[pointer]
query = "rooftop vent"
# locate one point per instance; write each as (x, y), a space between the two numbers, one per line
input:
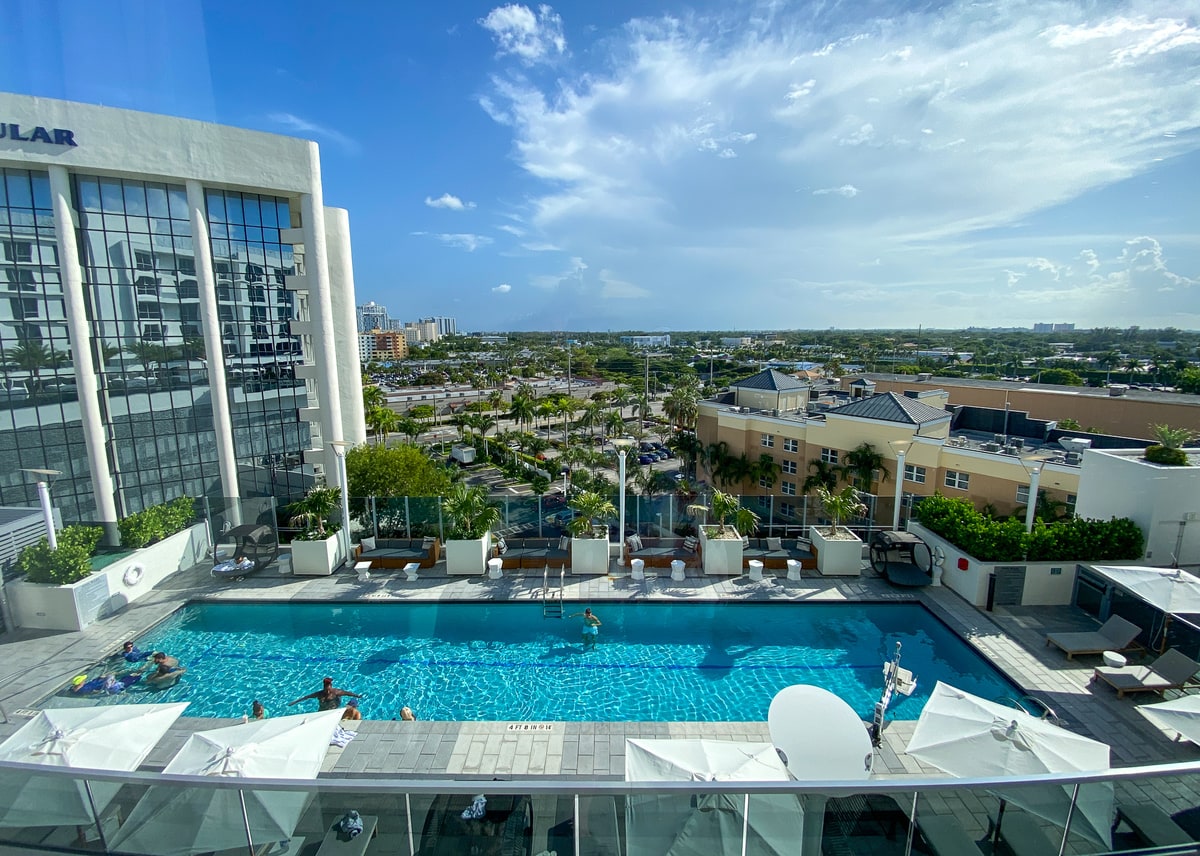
(1074, 458)
(1117, 389)
(1075, 445)
(991, 447)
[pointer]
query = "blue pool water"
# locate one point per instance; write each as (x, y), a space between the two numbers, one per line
(475, 661)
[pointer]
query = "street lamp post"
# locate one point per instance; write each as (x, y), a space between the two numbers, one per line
(622, 445)
(339, 449)
(43, 489)
(900, 447)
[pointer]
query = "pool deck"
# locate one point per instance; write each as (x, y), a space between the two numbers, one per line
(37, 663)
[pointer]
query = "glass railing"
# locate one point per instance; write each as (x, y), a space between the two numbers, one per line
(1121, 811)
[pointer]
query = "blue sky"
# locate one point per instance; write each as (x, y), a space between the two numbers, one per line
(667, 166)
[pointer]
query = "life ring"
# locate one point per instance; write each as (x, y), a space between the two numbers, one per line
(133, 575)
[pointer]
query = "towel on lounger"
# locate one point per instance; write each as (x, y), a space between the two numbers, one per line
(341, 737)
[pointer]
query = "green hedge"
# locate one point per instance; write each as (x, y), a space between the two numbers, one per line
(157, 522)
(70, 563)
(991, 540)
(1165, 456)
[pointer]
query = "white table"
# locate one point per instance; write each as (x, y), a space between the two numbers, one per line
(677, 570)
(637, 569)
(793, 570)
(495, 569)
(363, 569)
(756, 569)
(1114, 659)
(410, 571)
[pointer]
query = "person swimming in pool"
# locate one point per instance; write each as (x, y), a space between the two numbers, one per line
(130, 653)
(591, 626)
(328, 696)
(167, 671)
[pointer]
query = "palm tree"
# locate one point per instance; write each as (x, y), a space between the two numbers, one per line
(614, 424)
(409, 427)
(1172, 438)
(687, 446)
(312, 512)
(765, 469)
(681, 406)
(521, 409)
(824, 475)
(592, 416)
(32, 356)
(725, 506)
(714, 458)
(590, 507)
(468, 511)
(382, 421)
(496, 400)
(861, 464)
(840, 506)
(373, 396)
(621, 397)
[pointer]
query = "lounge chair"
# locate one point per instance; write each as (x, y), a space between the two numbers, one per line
(945, 836)
(1152, 825)
(1116, 634)
(1169, 672)
(1024, 836)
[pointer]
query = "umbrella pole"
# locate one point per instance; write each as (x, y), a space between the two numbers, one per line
(1070, 813)
(87, 787)
(999, 820)
(246, 822)
(746, 822)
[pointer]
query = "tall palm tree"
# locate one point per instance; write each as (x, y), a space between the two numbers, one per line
(714, 457)
(824, 475)
(521, 410)
(687, 446)
(860, 465)
(33, 356)
(592, 416)
(765, 469)
(614, 424)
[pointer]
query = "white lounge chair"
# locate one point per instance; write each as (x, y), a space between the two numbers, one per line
(1169, 672)
(1116, 634)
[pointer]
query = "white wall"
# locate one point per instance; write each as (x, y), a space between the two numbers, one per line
(127, 142)
(345, 324)
(1157, 498)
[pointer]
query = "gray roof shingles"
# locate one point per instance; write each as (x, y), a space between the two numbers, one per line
(889, 407)
(772, 380)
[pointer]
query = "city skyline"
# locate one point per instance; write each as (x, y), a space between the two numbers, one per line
(660, 167)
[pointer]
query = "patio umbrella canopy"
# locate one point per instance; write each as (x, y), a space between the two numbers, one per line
(1181, 714)
(968, 736)
(93, 738)
(671, 824)
(179, 821)
(1173, 591)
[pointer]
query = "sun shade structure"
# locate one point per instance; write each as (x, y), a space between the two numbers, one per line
(671, 824)
(180, 821)
(1173, 591)
(1181, 714)
(968, 736)
(92, 738)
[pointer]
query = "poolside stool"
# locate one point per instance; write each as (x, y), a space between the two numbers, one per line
(756, 567)
(495, 569)
(410, 571)
(677, 570)
(793, 570)
(363, 569)
(637, 569)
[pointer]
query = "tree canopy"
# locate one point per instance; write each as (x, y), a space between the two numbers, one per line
(399, 470)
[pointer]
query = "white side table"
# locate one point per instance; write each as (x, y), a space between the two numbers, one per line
(756, 569)
(410, 571)
(1114, 659)
(637, 569)
(793, 570)
(677, 570)
(495, 569)
(363, 569)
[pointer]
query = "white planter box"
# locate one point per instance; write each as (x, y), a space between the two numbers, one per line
(840, 557)
(589, 555)
(317, 558)
(468, 556)
(721, 556)
(40, 606)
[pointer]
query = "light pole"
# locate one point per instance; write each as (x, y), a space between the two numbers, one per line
(1034, 468)
(900, 447)
(622, 445)
(339, 449)
(43, 489)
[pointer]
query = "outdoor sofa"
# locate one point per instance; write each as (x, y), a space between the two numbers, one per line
(534, 553)
(1171, 671)
(661, 552)
(1116, 634)
(395, 553)
(775, 552)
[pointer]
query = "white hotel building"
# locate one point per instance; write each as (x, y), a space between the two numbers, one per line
(177, 312)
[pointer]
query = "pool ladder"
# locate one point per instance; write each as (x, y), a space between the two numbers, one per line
(552, 599)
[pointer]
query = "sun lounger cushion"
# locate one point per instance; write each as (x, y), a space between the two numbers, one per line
(1116, 634)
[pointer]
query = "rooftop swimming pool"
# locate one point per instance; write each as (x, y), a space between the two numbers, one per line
(708, 662)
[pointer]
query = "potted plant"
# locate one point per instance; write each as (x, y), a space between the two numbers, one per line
(317, 550)
(839, 551)
(470, 518)
(1169, 451)
(721, 544)
(589, 532)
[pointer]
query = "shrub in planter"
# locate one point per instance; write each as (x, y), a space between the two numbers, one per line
(1157, 454)
(314, 513)
(70, 563)
(1169, 448)
(157, 522)
(958, 521)
(1118, 539)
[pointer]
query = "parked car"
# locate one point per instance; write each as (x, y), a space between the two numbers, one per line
(668, 453)
(562, 518)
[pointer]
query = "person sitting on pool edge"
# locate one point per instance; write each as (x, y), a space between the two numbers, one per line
(351, 713)
(591, 626)
(328, 696)
(167, 671)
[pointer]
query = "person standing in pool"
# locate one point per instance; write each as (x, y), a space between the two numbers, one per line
(591, 626)
(328, 696)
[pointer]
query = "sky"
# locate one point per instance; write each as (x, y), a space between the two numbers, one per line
(668, 166)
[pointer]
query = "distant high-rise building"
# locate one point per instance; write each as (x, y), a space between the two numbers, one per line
(445, 326)
(1054, 328)
(663, 341)
(372, 316)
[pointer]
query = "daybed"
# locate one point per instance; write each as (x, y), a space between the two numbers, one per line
(660, 552)
(1171, 671)
(533, 553)
(395, 553)
(775, 552)
(256, 546)
(1116, 634)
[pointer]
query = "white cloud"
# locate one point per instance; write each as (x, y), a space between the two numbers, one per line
(849, 191)
(502, 288)
(313, 130)
(614, 288)
(448, 201)
(530, 36)
(536, 247)
(515, 231)
(462, 241)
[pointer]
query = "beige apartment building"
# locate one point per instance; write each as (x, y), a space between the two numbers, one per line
(768, 414)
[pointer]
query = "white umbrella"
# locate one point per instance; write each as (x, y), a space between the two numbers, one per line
(716, 824)
(116, 737)
(1171, 590)
(972, 737)
(1181, 714)
(176, 821)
